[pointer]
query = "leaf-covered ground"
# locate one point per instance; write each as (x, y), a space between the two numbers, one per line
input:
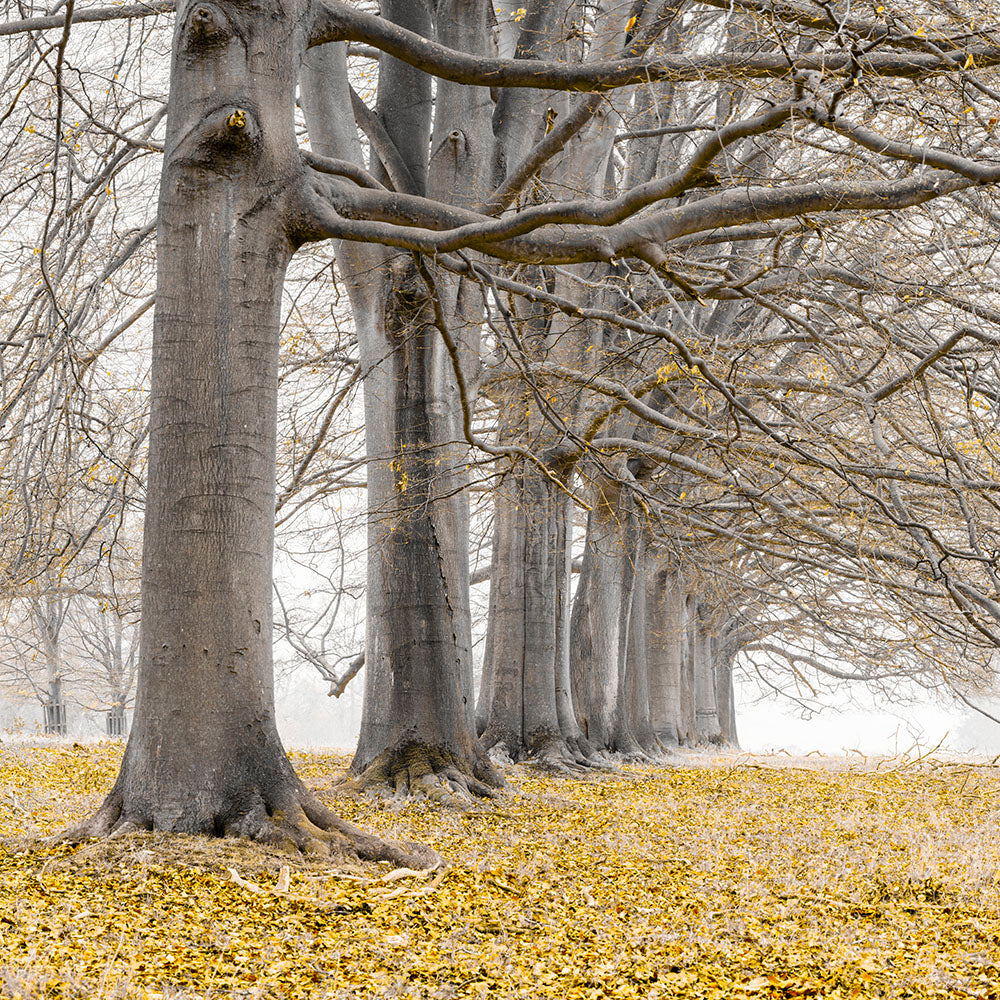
(720, 877)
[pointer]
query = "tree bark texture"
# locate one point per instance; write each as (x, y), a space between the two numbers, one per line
(417, 722)
(726, 648)
(634, 734)
(204, 754)
(688, 730)
(665, 648)
(527, 640)
(705, 693)
(418, 728)
(596, 623)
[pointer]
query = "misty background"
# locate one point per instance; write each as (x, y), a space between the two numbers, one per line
(855, 723)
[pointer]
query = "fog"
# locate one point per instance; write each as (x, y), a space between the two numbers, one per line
(308, 717)
(848, 729)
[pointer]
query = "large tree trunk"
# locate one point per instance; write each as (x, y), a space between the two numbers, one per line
(595, 640)
(417, 731)
(204, 754)
(705, 692)
(577, 744)
(688, 726)
(530, 711)
(726, 647)
(634, 733)
(417, 728)
(665, 641)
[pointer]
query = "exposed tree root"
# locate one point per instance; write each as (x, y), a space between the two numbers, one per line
(549, 751)
(585, 753)
(558, 755)
(502, 741)
(429, 772)
(556, 759)
(293, 819)
(632, 751)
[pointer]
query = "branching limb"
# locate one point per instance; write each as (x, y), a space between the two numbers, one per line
(89, 16)
(340, 168)
(336, 21)
(427, 226)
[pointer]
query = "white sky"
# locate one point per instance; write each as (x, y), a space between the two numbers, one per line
(869, 729)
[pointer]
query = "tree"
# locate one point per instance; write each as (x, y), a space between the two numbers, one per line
(204, 754)
(35, 660)
(238, 198)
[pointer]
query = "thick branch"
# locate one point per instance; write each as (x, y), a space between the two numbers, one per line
(340, 168)
(385, 149)
(336, 21)
(89, 15)
(566, 233)
(757, 204)
(339, 685)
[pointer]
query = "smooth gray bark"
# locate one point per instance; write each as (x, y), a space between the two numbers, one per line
(502, 708)
(687, 723)
(595, 640)
(418, 679)
(204, 754)
(527, 639)
(568, 724)
(634, 733)
(418, 727)
(665, 643)
(726, 648)
(705, 693)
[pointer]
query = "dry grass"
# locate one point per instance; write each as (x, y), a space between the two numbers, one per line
(726, 876)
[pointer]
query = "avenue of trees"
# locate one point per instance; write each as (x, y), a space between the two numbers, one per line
(670, 323)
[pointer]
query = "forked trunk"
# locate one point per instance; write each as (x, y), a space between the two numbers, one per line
(56, 722)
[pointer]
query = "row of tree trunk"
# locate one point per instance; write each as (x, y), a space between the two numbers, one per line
(237, 199)
(635, 663)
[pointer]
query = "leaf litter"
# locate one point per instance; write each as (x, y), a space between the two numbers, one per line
(726, 876)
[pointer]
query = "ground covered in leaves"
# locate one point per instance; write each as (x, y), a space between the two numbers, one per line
(723, 876)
